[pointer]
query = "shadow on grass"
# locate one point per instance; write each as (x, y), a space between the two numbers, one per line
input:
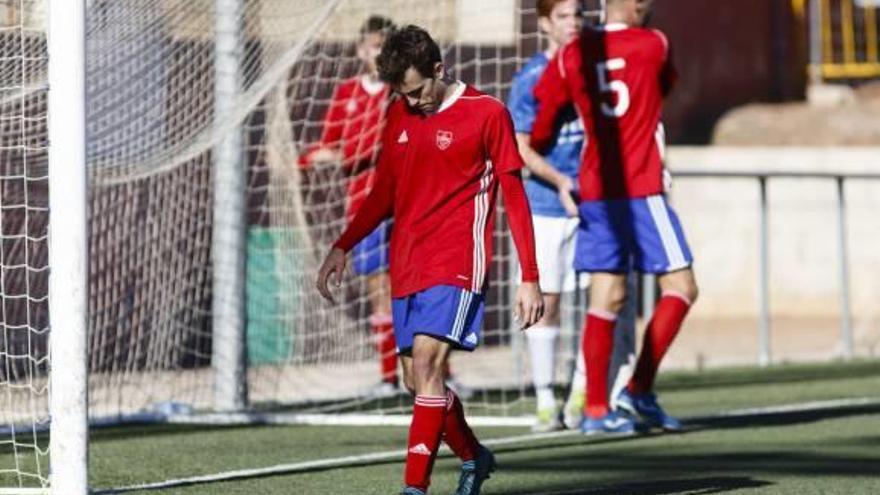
(775, 375)
(781, 418)
(695, 486)
(674, 467)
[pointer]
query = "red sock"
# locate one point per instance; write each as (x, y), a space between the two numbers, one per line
(424, 439)
(597, 346)
(386, 347)
(456, 432)
(661, 331)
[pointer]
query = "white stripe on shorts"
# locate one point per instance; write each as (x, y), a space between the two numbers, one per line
(464, 303)
(660, 214)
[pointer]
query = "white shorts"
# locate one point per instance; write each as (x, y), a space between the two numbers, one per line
(554, 248)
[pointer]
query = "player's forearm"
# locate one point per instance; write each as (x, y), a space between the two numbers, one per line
(541, 135)
(520, 218)
(537, 164)
(543, 128)
(368, 218)
(377, 207)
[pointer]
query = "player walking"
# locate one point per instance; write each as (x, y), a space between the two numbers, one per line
(552, 191)
(616, 76)
(446, 150)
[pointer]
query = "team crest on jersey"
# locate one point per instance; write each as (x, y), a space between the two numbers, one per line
(444, 139)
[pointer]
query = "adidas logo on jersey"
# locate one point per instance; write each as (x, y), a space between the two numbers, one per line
(471, 339)
(403, 137)
(420, 449)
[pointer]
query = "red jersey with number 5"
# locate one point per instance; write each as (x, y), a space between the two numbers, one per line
(616, 77)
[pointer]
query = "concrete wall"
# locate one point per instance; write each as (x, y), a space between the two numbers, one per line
(721, 218)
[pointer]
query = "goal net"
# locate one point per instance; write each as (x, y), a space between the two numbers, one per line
(156, 122)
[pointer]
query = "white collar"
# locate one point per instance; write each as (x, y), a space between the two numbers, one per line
(370, 86)
(456, 94)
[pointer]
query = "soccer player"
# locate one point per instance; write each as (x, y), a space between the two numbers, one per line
(351, 135)
(552, 192)
(446, 150)
(616, 76)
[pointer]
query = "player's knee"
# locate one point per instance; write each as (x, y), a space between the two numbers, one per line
(692, 292)
(612, 299)
(551, 316)
(409, 384)
(408, 379)
(426, 368)
(685, 286)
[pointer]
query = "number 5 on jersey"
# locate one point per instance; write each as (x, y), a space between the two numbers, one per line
(619, 88)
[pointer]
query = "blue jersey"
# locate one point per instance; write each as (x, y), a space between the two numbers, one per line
(564, 155)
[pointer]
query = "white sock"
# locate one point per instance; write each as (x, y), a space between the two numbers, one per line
(623, 359)
(579, 379)
(546, 399)
(542, 351)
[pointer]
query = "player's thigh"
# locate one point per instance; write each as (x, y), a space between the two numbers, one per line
(572, 279)
(429, 356)
(682, 282)
(660, 243)
(406, 362)
(607, 291)
(604, 237)
(551, 309)
(552, 236)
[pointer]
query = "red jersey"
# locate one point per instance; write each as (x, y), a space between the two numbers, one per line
(353, 125)
(616, 77)
(438, 175)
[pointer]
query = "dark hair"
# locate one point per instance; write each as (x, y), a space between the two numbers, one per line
(545, 7)
(410, 46)
(377, 24)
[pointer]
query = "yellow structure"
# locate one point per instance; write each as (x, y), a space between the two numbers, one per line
(847, 41)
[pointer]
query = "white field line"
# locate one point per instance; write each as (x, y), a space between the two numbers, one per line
(357, 460)
(331, 419)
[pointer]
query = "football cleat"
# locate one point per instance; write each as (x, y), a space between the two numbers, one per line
(645, 406)
(612, 423)
(474, 473)
(573, 411)
(546, 420)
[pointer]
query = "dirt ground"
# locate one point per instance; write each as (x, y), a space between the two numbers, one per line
(836, 117)
(705, 343)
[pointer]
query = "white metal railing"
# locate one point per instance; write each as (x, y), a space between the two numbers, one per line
(762, 178)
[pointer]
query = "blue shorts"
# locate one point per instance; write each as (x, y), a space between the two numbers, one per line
(641, 233)
(446, 312)
(371, 254)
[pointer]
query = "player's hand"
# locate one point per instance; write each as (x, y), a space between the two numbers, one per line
(334, 264)
(529, 307)
(567, 196)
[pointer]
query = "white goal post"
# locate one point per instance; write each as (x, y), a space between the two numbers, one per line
(68, 249)
(174, 279)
